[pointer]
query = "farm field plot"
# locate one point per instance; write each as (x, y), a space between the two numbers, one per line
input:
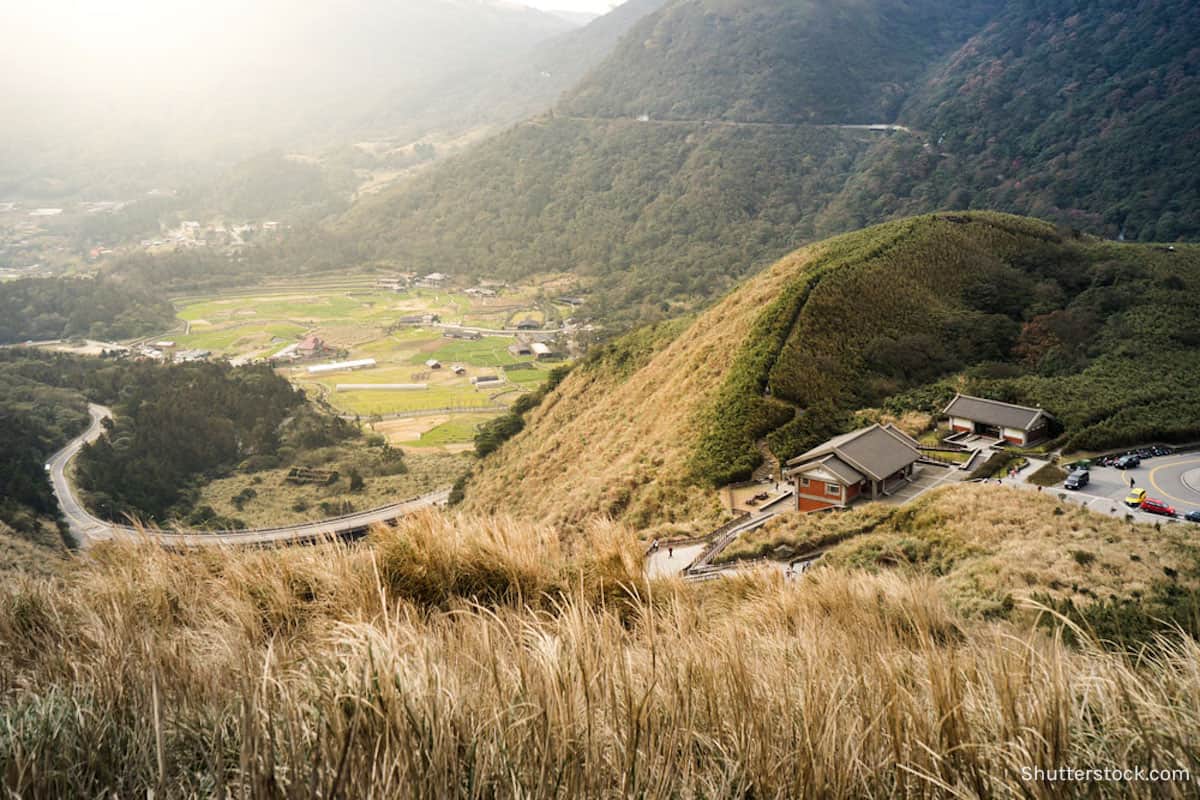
(448, 431)
(368, 403)
(490, 351)
(357, 321)
(531, 377)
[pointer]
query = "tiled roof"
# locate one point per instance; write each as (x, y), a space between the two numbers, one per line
(875, 452)
(993, 412)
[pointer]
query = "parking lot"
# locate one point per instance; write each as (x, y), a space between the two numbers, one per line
(1174, 479)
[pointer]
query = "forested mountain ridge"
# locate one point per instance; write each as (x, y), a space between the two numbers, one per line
(814, 61)
(655, 214)
(1084, 114)
(891, 319)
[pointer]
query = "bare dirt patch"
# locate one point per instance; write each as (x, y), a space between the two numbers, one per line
(399, 431)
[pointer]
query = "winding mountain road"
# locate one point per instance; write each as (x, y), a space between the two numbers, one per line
(87, 529)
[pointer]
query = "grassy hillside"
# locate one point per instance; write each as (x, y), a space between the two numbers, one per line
(991, 548)
(896, 317)
(616, 435)
(468, 657)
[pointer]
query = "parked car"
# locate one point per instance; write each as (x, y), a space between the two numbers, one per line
(1128, 461)
(1158, 507)
(1192, 516)
(1135, 498)
(1078, 479)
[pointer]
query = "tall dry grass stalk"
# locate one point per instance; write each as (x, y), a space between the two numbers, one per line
(467, 657)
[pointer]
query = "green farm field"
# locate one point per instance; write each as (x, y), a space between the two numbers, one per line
(360, 322)
(457, 430)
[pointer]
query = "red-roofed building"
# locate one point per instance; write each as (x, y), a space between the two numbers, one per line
(310, 345)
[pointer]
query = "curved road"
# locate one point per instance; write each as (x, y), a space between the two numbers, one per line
(86, 529)
(1176, 479)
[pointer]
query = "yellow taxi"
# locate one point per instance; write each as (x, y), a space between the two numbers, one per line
(1135, 498)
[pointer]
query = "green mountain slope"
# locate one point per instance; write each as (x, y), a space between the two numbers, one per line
(653, 212)
(808, 61)
(894, 317)
(1083, 114)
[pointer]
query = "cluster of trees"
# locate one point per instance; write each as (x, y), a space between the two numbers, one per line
(496, 432)
(300, 251)
(270, 185)
(176, 425)
(36, 418)
(43, 404)
(60, 308)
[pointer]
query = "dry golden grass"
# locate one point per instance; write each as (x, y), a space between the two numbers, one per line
(41, 554)
(466, 657)
(986, 543)
(593, 450)
(914, 423)
(278, 502)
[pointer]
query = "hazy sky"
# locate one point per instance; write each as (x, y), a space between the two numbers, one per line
(594, 6)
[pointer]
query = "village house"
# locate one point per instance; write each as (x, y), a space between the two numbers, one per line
(867, 463)
(529, 325)
(1018, 425)
(419, 319)
(186, 356)
(518, 349)
(542, 351)
(434, 280)
(310, 346)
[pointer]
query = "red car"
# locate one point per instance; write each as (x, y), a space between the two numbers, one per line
(1157, 507)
